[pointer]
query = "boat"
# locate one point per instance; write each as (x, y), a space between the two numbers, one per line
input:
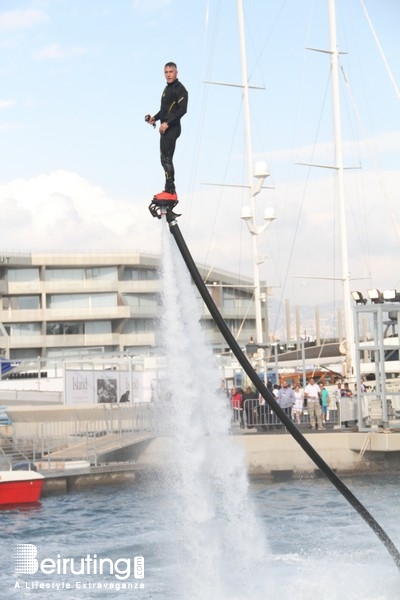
(20, 487)
(20, 483)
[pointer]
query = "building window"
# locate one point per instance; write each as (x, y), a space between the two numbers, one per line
(64, 274)
(82, 274)
(138, 274)
(78, 328)
(235, 299)
(138, 326)
(23, 275)
(82, 300)
(21, 302)
(69, 328)
(102, 273)
(20, 329)
(98, 327)
(142, 300)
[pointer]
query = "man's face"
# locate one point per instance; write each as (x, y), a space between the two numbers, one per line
(170, 74)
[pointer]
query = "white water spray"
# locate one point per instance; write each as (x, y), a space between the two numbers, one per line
(221, 547)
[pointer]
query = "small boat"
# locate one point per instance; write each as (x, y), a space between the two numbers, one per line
(20, 487)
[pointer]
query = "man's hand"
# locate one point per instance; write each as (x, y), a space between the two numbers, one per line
(150, 120)
(163, 127)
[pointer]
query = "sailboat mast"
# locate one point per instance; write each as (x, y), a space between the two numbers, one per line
(349, 327)
(249, 157)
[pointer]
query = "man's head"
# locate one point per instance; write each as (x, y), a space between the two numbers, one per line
(170, 72)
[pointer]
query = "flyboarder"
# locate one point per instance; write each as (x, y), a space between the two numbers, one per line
(174, 101)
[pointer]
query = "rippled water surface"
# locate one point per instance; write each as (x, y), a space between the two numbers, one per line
(318, 547)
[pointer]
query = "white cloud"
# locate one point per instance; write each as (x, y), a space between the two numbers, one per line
(10, 126)
(63, 212)
(386, 142)
(56, 52)
(21, 19)
(6, 104)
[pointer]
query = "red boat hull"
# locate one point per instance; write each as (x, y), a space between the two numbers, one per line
(20, 492)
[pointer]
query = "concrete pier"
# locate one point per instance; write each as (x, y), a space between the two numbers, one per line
(272, 456)
(267, 454)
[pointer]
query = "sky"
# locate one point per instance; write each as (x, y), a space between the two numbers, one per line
(80, 166)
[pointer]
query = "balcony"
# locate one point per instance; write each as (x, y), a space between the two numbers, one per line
(19, 288)
(151, 286)
(87, 314)
(81, 340)
(22, 316)
(137, 339)
(79, 287)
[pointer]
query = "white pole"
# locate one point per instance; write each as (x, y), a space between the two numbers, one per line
(349, 327)
(246, 108)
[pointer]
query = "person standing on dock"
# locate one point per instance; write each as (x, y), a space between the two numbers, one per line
(237, 405)
(311, 392)
(299, 403)
(286, 398)
(324, 402)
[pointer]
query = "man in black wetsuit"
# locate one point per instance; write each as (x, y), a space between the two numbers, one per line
(174, 102)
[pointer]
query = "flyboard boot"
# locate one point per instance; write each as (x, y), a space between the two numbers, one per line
(163, 204)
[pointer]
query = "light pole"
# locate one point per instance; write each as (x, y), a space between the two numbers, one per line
(249, 215)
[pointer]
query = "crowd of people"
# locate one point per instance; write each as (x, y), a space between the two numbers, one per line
(310, 405)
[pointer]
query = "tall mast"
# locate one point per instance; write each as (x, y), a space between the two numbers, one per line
(349, 327)
(249, 157)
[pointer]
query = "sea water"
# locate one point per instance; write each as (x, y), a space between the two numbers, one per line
(319, 548)
(200, 531)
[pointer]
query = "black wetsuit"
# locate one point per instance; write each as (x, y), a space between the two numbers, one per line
(174, 101)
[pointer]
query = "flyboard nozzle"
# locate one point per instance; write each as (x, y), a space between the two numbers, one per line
(160, 208)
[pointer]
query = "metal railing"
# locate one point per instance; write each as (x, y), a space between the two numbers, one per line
(260, 416)
(112, 428)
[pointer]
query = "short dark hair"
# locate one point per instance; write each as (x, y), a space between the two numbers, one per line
(170, 64)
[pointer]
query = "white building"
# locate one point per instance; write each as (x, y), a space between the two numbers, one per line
(55, 306)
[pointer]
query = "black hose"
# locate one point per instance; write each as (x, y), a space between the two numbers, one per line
(270, 398)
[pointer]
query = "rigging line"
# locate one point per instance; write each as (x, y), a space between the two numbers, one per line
(296, 144)
(294, 239)
(213, 37)
(234, 128)
(373, 156)
(381, 52)
(221, 193)
(269, 35)
(362, 236)
(258, 57)
(199, 135)
(251, 302)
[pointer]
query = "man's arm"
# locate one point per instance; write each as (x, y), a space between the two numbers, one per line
(181, 104)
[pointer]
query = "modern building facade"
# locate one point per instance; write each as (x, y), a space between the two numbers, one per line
(56, 306)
